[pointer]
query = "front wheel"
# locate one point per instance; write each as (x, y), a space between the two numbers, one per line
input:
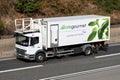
(40, 57)
(88, 51)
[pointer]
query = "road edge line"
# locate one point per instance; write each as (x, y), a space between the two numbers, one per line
(114, 44)
(5, 59)
(109, 55)
(18, 69)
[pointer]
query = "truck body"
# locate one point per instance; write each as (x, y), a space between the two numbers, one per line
(37, 39)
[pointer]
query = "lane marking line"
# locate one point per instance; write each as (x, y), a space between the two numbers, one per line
(18, 69)
(81, 73)
(103, 56)
(7, 59)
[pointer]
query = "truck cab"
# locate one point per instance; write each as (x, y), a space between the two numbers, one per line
(28, 38)
(27, 45)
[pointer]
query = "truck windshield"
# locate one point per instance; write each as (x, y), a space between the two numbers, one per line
(22, 40)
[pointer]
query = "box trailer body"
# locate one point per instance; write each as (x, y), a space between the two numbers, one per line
(74, 30)
(48, 37)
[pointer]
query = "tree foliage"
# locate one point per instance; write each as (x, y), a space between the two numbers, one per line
(27, 6)
(108, 5)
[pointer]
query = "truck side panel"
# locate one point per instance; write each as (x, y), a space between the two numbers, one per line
(79, 31)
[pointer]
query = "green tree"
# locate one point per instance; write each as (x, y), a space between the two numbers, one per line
(108, 5)
(27, 6)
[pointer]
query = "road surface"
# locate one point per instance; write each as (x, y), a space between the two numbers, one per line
(12, 69)
(106, 73)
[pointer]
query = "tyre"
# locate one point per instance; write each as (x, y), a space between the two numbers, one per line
(88, 51)
(40, 57)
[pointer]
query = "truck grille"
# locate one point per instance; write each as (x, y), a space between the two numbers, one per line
(20, 51)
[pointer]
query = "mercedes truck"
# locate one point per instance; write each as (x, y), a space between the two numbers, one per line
(38, 39)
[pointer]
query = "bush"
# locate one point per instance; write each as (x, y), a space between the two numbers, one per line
(27, 6)
(1, 28)
(108, 5)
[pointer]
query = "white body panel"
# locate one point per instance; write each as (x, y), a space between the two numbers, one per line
(72, 30)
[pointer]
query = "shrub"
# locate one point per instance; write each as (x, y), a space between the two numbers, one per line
(108, 5)
(27, 6)
(1, 27)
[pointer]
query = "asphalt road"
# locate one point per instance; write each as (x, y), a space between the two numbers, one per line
(106, 73)
(13, 69)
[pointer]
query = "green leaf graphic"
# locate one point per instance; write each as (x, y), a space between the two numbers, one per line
(99, 34)
(93, 23)
(107, 33)
(97, 22)
(92, 35)
(102, 29)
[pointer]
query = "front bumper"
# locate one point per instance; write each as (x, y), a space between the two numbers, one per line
(25, 56)
(21, 54)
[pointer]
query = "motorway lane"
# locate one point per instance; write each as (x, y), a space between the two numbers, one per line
(60, 68)
(55, 67)
(106, 73)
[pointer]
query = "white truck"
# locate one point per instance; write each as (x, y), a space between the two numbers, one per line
(38, 39)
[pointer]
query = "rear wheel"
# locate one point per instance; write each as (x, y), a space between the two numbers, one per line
(88, 51)
(40, 57)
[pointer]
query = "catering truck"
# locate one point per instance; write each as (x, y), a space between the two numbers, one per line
(38, 39)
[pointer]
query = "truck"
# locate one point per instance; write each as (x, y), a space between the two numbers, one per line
(41, 38)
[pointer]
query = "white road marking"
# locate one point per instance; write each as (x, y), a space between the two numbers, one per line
(103, 56)
(7, 59)
(80, 73)
(114, 44)
(18, 69)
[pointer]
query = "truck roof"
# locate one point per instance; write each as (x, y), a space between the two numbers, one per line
(73, 17)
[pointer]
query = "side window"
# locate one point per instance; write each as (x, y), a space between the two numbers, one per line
(34, 40)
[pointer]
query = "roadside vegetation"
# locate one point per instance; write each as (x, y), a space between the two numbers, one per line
(1, 27)
(27, 6)
(108, 5)
(12, 9)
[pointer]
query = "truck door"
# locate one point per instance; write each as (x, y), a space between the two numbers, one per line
(54, 35)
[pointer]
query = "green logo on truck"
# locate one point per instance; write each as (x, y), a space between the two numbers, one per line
(64, 27)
